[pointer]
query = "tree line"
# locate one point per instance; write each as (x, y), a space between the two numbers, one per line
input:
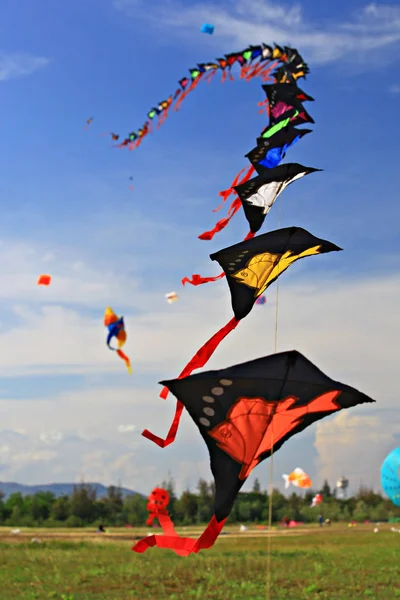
(83, 508)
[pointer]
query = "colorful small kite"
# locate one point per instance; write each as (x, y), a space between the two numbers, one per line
(298, 478)
(116, 328)
(244, 413)
(268, 59)
(261, 300)
(88, 122)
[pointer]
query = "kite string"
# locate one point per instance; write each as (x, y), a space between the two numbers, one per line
(269, 539)
(271, 460)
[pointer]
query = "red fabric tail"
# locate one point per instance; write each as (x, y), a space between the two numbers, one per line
(264, 107)
(235, 206)
(163, 117)
(191, 87)
(249, 236)
(244, 70)
(261, 70)
(265, 74)
(180, 545)
(166, 524)
(199, 280)
(198, 361)
(210, 76)
(222, 223)
(226, 193)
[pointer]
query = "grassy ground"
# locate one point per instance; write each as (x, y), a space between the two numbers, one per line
(335, 563)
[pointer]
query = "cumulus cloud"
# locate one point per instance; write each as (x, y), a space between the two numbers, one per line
(373, 27)
(126, 428)
(355, 445)
(17, 65)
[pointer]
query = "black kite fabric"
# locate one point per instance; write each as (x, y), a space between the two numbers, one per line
(257, 195)
(275, 146)
(247, 411)
(251, 266)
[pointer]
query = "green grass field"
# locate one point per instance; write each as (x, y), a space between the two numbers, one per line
(336, 563)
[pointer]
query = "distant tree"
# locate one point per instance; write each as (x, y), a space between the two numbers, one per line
(361, 512)
(61, 508)
(205, 502)
(41, 504)
(111, 506)
(326, 490)
(134, 510)
(83, 503)
(256, 487)
(186, 508)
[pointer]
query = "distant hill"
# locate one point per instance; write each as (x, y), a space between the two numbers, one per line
(58, 489)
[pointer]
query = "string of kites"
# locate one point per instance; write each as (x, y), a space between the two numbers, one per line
(246, 412)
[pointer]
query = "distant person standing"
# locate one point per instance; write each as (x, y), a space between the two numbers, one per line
(320, 520)
(286, 521)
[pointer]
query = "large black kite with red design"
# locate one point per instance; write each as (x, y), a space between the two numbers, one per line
(244, 413)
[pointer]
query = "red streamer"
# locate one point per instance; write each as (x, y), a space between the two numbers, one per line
(180, 545)
(199, 280)
(198, 361)
(234, 207)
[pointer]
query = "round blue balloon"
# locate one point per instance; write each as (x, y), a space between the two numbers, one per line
(390, 476)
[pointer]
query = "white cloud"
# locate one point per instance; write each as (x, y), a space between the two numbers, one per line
(395, 89)
(126, 428)
(356, 445)
(246, 21)
(20, 65)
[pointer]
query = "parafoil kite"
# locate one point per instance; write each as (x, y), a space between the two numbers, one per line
(390, 476)
(245, 412)
(116, 328)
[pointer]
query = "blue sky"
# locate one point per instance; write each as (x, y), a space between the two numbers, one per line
(67, 209)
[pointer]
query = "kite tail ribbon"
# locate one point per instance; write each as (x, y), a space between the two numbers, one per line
(233, 209)
(198, 361)
(189, 89)
(180, 545)
(210, 76)
(226, 193)
(126, 360)
(199, 280)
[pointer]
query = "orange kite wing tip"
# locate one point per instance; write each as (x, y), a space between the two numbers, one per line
(109, 316)
(44, 280)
